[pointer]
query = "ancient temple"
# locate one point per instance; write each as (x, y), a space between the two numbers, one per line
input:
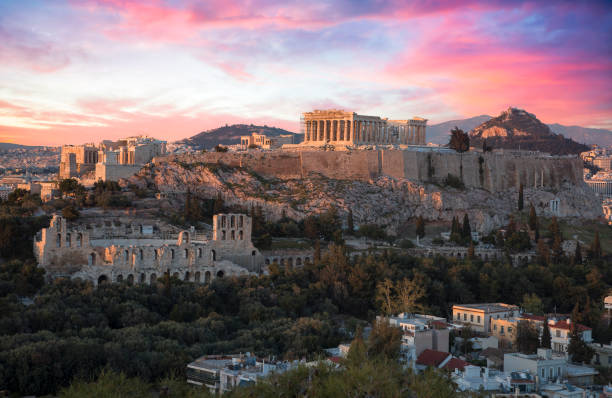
(338, 127)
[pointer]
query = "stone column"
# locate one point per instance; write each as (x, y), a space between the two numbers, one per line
(325, 130)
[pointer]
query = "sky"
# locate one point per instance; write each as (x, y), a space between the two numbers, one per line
(75, 71)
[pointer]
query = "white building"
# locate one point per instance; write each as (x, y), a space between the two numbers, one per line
(560, 332)
(421, 332)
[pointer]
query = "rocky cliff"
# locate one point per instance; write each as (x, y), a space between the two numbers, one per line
(516, 128)
(384, 200)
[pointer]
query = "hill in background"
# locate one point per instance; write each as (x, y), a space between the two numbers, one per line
(516, 128)
(230, 135)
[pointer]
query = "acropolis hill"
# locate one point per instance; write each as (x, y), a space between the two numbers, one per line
(380, 170)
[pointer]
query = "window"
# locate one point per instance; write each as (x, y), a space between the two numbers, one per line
(558, 333)
(558, 371)
(543, 373)
(501, 329)
(458, 316)
(495, 327)
(464, 316)
(478, 318)
(609, 360)
(551, 372)
(471, 318)
(509, 329)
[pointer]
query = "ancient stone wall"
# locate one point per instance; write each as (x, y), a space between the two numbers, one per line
(68, 251)
(490, 171)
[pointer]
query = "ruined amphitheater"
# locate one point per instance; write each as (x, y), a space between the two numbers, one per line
(137, 253)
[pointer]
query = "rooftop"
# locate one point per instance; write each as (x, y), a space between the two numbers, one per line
(432, 358)
(565, 325)
(488, 307)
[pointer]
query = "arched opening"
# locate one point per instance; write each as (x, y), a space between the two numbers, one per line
(141, 254)
(143, 278)
(207, 277)
(175, 275)
(140, 229)
(172, 254)
(68, 237)
(290, 261)
(223, 235)
(80, 240)
(187, 276)
(220, 274)
(233, 235)
(214, 255)
(102, 279)
(197, 277)
(282, 261)
(307, 260)
(223, 221)
(155, 254)
(298, 261)
(233, 222)
(91, 259)
(126, 256)
(199, 252)
(186, 253)
(240, 235)
(240, 221)
(58, 242)
(130, 279)
(254, 253)
(153, 278)
(267, 261)
(119, 278)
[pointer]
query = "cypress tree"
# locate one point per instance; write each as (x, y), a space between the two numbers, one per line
(455, 226)
(466, 231)
(546, 337)
(533, 218)
(595, 250)
(578, 254)
(349, 221)
(420, 227)
(520, 198)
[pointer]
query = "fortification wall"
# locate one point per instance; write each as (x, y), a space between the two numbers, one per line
(490, 171)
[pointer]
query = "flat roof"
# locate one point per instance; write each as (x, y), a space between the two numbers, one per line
(488, 307)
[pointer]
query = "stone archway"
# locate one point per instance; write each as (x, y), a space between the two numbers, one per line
(197, 277)
(152, 278)
(187, 275)
(176, 275)
(102, 279)
(143, 278)
(130, 279)
(220, 274)
(207, 277)
(119, 278)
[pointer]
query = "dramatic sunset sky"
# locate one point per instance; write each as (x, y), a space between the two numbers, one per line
(75, 71)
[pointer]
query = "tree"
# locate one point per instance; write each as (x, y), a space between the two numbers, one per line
(466, 343)
(532, 304)
(466, 231)
(420, 227)
(577, 349)
(220, 148)
(595, 249)
(578, 254)
(384, 295)
(70, 186)
(385, 340)
(553, 228)
(546, 336)
(357, 352)
(527, 337)
(70, 213)
(520, 198)
(409, 294)
(533, 218)
(349, 222)
(459, 140)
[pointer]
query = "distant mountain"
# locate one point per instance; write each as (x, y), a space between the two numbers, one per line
(230, 135)
(7, 145)
(584, 135)
(515, 128)
(438, 133)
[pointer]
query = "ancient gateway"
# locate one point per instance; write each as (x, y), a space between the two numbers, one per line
(337, 127)
(137, 254)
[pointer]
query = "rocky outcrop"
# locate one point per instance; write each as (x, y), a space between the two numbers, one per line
(384, 200)
(516, 128)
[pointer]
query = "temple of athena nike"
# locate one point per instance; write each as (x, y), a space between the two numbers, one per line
(338, 127)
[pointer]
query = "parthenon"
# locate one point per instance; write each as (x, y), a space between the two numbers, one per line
(338, 127)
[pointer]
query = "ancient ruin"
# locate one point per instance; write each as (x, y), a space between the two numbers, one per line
(109, 160)
(140, 254)
(338, 127)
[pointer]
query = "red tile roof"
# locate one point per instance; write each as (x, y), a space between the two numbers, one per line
(456, 363)
(534, 317)
(335, 359)
(439, 325)
(567, 326)
(432, 358)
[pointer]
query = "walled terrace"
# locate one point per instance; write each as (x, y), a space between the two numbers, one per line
(141, 253)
